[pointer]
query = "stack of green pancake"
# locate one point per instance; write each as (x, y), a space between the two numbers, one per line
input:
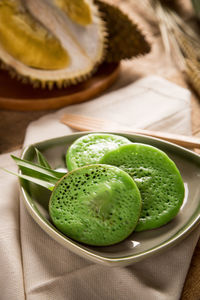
(114, 187)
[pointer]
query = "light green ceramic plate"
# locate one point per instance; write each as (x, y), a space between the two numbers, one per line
(139, 245)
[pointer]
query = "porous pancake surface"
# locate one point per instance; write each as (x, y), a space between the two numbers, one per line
(158, 179)
(97, 205)
(90, 148)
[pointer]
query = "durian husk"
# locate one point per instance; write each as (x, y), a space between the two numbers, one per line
(111, 37)
(84, 45)
(125, 40)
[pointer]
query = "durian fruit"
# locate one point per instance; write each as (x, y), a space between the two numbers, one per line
(26, 40)
(78, 10)
(41, 43)
(62, 42)
(124, 39)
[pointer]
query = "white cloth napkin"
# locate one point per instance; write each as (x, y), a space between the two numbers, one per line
(35, 267)
(152, 103)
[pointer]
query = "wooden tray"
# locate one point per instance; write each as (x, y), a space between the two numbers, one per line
(23, 97)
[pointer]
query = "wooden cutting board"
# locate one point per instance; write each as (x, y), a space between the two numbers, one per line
(15, 95)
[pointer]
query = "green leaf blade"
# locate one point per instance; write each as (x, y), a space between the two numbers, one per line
(46, 184)
(27, 166)
(42, 160)
(39, 175)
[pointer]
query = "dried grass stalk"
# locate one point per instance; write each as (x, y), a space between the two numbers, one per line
(179, 40)
(193, 73)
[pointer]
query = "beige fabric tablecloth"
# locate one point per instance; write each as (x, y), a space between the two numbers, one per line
(35, 267)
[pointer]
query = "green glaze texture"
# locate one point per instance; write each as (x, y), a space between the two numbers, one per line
(89, 149)
(96, 205)
(158, 180)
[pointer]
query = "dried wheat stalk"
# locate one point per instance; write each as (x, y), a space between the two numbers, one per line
(179, 39)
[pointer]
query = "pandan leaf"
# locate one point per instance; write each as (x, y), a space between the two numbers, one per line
(46, 184)
(42, 160)
(43, 176)
(38, 175)
(28, 168)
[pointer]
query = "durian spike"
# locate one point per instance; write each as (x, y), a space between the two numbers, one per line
(124, 40)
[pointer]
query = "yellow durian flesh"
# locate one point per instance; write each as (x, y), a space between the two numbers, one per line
(78, 10)
(84, 45)
(27, 40)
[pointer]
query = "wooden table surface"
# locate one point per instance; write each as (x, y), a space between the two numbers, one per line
(13, 124)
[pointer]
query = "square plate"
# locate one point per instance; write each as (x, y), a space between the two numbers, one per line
(138, 245)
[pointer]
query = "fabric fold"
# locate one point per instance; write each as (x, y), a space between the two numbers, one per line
(51, 271)
(11, 275)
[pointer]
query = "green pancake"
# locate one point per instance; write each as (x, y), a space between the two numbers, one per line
(90, 148)
(97, 205)
(158, 179)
